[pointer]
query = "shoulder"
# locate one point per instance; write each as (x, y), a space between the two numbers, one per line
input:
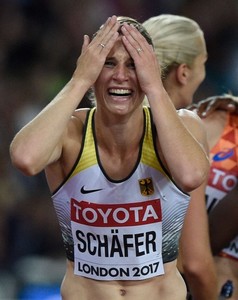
(78, 119)
(73, 135)
(81, 114)
(195, 125)
(72, 140)
(188, 114)
(190, 118)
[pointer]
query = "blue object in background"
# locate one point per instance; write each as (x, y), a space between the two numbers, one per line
(40, 292)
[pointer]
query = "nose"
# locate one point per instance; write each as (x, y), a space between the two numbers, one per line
(120, 73)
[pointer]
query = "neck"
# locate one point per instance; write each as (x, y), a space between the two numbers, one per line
(116, 133)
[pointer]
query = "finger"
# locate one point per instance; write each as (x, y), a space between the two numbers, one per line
(107, 31)
(201, 108)
(218, 103)
(231, 107)
(86, 41)
(133, 39)
(209, 109)
(192, 107)
(112, 27)
(105, 48)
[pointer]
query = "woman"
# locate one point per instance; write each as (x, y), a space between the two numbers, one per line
(222, 193)
(181, 51)
(220, 115)
(114, 178)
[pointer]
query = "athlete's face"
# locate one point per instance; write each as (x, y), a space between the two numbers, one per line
(117, 87)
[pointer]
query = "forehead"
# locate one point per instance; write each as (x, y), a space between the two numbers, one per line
(119, 50)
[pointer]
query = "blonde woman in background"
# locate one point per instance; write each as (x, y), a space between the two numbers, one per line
(181, 51)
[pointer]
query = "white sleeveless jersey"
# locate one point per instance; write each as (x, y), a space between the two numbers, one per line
(120, 230)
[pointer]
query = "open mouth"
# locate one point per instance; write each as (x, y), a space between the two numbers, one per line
(120, 92)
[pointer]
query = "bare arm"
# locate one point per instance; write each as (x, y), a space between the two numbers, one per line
(41, 141)
(195, 257)
(174, 136)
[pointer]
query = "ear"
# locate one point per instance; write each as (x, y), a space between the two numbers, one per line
(182, 74)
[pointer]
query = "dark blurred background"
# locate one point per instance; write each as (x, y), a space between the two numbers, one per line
(40, 41)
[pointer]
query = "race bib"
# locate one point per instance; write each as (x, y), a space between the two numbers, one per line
(117, 241)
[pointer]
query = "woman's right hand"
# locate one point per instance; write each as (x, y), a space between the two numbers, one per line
(94, 52)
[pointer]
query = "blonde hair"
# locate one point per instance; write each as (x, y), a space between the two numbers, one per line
(176, 39)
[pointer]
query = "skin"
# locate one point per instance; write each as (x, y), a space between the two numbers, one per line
(195, 259)
(206, 107)
(53, 139)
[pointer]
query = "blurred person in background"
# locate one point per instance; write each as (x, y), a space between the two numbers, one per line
(220, 116)
(181, 51)
(74, 147)
(180, 47)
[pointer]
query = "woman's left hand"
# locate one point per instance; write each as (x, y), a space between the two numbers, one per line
(146, 64)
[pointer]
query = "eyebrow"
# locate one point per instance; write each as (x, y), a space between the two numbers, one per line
(113, 58)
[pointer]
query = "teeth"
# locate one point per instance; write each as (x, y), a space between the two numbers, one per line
(119, 91)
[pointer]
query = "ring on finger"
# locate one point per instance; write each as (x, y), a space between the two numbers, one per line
(139, 49)
(102, 45)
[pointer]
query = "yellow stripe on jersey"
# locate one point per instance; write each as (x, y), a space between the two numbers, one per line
(88, 157)
(149, 156)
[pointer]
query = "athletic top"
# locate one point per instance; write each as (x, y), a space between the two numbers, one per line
(120, 229)
(224, 173)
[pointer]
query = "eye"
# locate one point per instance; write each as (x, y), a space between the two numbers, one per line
(131, 65)
(109, 63)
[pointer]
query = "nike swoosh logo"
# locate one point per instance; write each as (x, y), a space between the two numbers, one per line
(83, 191)
(223, 155)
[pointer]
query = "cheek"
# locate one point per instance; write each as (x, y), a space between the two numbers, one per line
(100, 83)
(195, 83)
(99, 90)
(203, 74)
(101, 78)
(200, 76)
